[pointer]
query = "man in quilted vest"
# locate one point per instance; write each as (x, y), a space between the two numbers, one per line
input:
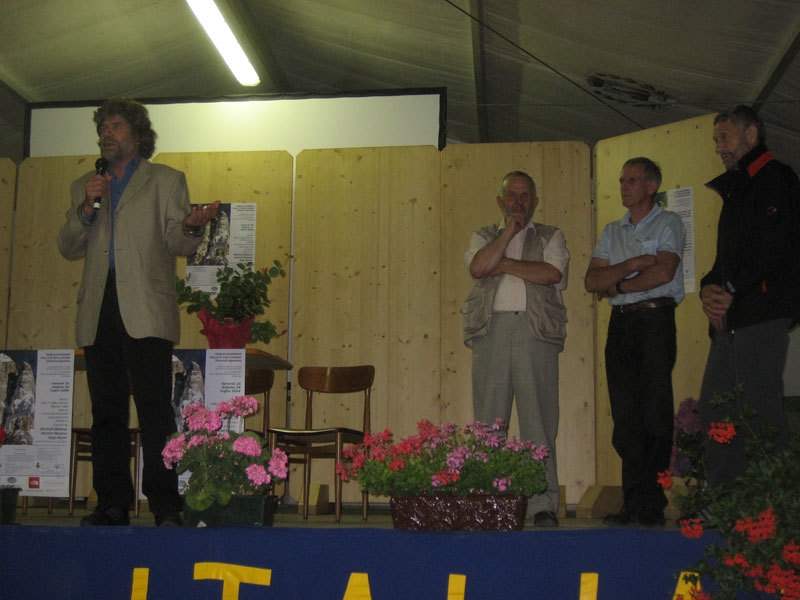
(515, 323)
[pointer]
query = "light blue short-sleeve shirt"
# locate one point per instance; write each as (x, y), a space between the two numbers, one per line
(660, 231)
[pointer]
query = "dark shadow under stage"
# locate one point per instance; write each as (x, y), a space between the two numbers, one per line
(48, 557)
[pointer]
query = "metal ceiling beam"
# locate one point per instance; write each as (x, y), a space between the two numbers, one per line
(778, 72)
(479, 67)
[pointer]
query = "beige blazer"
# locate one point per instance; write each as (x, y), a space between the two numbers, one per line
(148, 235)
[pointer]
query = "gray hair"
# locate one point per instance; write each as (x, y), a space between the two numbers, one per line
(742, 117)
(522, 175)
(652, 172)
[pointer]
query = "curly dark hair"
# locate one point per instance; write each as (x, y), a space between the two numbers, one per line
(136, 114)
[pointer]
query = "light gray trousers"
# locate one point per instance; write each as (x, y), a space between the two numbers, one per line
(509, 363)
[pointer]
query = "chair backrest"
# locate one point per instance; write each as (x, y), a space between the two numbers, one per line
(260, 381)
(337, 380)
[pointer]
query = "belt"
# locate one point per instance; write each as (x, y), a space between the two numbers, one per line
(625, 309)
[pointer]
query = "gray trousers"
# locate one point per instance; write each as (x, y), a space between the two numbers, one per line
(754, 358)
(509, 363)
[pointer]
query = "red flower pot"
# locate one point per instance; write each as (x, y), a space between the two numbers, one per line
(226, 334)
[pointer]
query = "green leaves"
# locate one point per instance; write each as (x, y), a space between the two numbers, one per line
(242, 293)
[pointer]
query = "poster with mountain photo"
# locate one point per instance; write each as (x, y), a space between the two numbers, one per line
(36, 389)
(207, 377)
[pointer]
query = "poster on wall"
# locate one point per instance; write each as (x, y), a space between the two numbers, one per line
(208, 377)
(36, 418)
(681, 202)
(228, 239)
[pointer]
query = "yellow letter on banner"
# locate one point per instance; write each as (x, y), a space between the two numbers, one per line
(456, 587)
(684, 589)
(357, 587)
(231, 576)
(589, 586)
(141, 579)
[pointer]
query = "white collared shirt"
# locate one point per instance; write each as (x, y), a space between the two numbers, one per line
(511, 295)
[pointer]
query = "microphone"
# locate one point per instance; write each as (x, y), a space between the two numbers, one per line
(100, 168)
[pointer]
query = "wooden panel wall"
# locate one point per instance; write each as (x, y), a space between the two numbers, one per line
(367, 280)
(685, 153)
(380, 236)
(8, 183)
(264, 178)
(44, 286)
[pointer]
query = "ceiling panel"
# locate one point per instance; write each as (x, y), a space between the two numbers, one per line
(515, 70)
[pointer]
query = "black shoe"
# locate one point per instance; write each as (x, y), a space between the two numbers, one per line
(545, 518)
(620, 519)
(650, 517)
(169, 520)
(106, 516)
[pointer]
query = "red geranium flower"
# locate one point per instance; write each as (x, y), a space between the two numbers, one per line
(759, 529)
(691, 528)
(722, 433)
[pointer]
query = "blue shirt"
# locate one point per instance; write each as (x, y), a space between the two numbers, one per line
(659, 231)
(116, 187)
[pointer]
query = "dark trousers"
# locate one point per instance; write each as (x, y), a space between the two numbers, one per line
(116, 366)
(640, 354)
(746, 364)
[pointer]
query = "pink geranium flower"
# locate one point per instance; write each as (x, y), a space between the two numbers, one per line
(222, 462)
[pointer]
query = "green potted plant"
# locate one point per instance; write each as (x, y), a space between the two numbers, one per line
(755, 524)
(228, 316)
(230, 473)
(447, 477)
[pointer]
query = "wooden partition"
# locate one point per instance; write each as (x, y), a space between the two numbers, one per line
(264, 178)
(44, 285)
(367, 282)
(378, 237)
(685, 153)
(8, 183)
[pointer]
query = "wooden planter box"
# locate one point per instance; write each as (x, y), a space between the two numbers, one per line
(474, 512)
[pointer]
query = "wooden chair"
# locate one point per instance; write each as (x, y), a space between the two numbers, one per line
(24, 508)
(260, 381)
(313, 443)
(82, 451)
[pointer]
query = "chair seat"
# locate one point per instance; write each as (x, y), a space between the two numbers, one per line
(325, 435)
(301, 445)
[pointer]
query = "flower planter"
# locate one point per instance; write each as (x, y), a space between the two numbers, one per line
(474, 512)
(227, 334)
(8, 505)
(248, 511)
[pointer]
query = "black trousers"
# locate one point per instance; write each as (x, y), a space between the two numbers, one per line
(640, 354)
(116, 366)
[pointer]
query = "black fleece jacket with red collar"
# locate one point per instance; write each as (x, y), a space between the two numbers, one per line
(758, 240)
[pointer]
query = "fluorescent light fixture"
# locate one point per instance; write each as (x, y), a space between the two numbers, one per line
(220, 33)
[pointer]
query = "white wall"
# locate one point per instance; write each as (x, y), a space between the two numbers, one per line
(290, 124)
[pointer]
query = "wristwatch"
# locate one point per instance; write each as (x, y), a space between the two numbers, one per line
(619, 286)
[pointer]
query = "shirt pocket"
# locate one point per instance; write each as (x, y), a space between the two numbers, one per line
(650, 247)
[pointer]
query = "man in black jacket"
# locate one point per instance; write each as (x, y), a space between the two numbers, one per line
(751, 296)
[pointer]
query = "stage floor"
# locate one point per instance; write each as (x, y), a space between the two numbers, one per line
(50, 556)
(286, 516)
